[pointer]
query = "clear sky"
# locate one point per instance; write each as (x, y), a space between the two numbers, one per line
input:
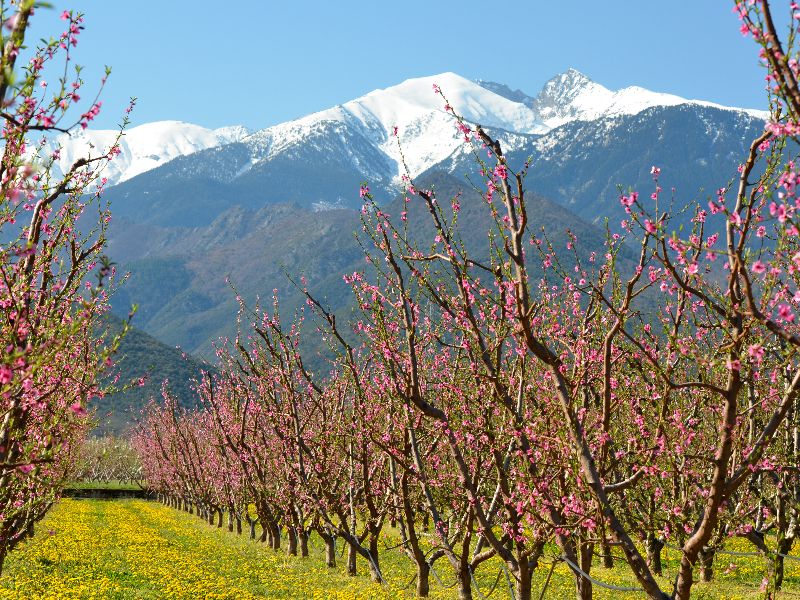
(258, 63)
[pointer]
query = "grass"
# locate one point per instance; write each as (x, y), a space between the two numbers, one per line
(109, 485)
(141, 550)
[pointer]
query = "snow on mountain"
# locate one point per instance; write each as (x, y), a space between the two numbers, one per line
(142, 148)
(361, 131)
(572, 96)
(427, 133)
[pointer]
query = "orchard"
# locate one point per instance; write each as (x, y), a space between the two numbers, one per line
(525, 405)
(502, 404)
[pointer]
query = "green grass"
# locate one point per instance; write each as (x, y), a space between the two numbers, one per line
(109, 485)
(141, 550)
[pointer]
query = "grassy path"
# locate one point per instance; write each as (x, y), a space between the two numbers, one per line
(138, 549)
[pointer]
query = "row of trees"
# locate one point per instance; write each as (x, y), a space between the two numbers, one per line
(528, 396)
(52, 272)
(105, 460)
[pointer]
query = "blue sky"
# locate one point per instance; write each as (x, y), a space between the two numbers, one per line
(258, 63)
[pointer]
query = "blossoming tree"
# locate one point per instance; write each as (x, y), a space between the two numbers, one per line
(51, 272)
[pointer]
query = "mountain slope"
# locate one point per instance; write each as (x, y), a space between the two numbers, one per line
(142, 148)
(179, 279)
(142, 356)
(286, 198)
(584, 165)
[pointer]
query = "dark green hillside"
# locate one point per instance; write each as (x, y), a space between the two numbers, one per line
(141, 355)
(178, 280)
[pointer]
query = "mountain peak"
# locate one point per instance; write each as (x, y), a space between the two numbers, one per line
(566, 96)
(572, 78)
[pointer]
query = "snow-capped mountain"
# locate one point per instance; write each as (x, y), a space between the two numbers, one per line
(426, 132)
(247, 207)
(320, 160)
(142, 148)
(572, 96)
(361, 133)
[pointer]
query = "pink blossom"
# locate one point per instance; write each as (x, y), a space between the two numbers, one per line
(77, 408)
(785, 312)
(756, 352)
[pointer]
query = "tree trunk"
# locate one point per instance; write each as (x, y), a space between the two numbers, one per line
(654, 547)
(303, 535)
(351, 560)
(230, 521)
(583, 587)
(291, 541)
(608, 559)
(275, 533)
(423, 579)
(685, 580)
(374, 570)
(784, 547)
(706, 559)
(464, 583)
(374, 565)
(238, 525)
(330, 549)
(523, 583)
(778, 566)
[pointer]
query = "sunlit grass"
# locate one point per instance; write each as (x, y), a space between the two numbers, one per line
(139, 549)
(108, 485)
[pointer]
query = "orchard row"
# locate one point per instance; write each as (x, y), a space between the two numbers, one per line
(605, 401)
